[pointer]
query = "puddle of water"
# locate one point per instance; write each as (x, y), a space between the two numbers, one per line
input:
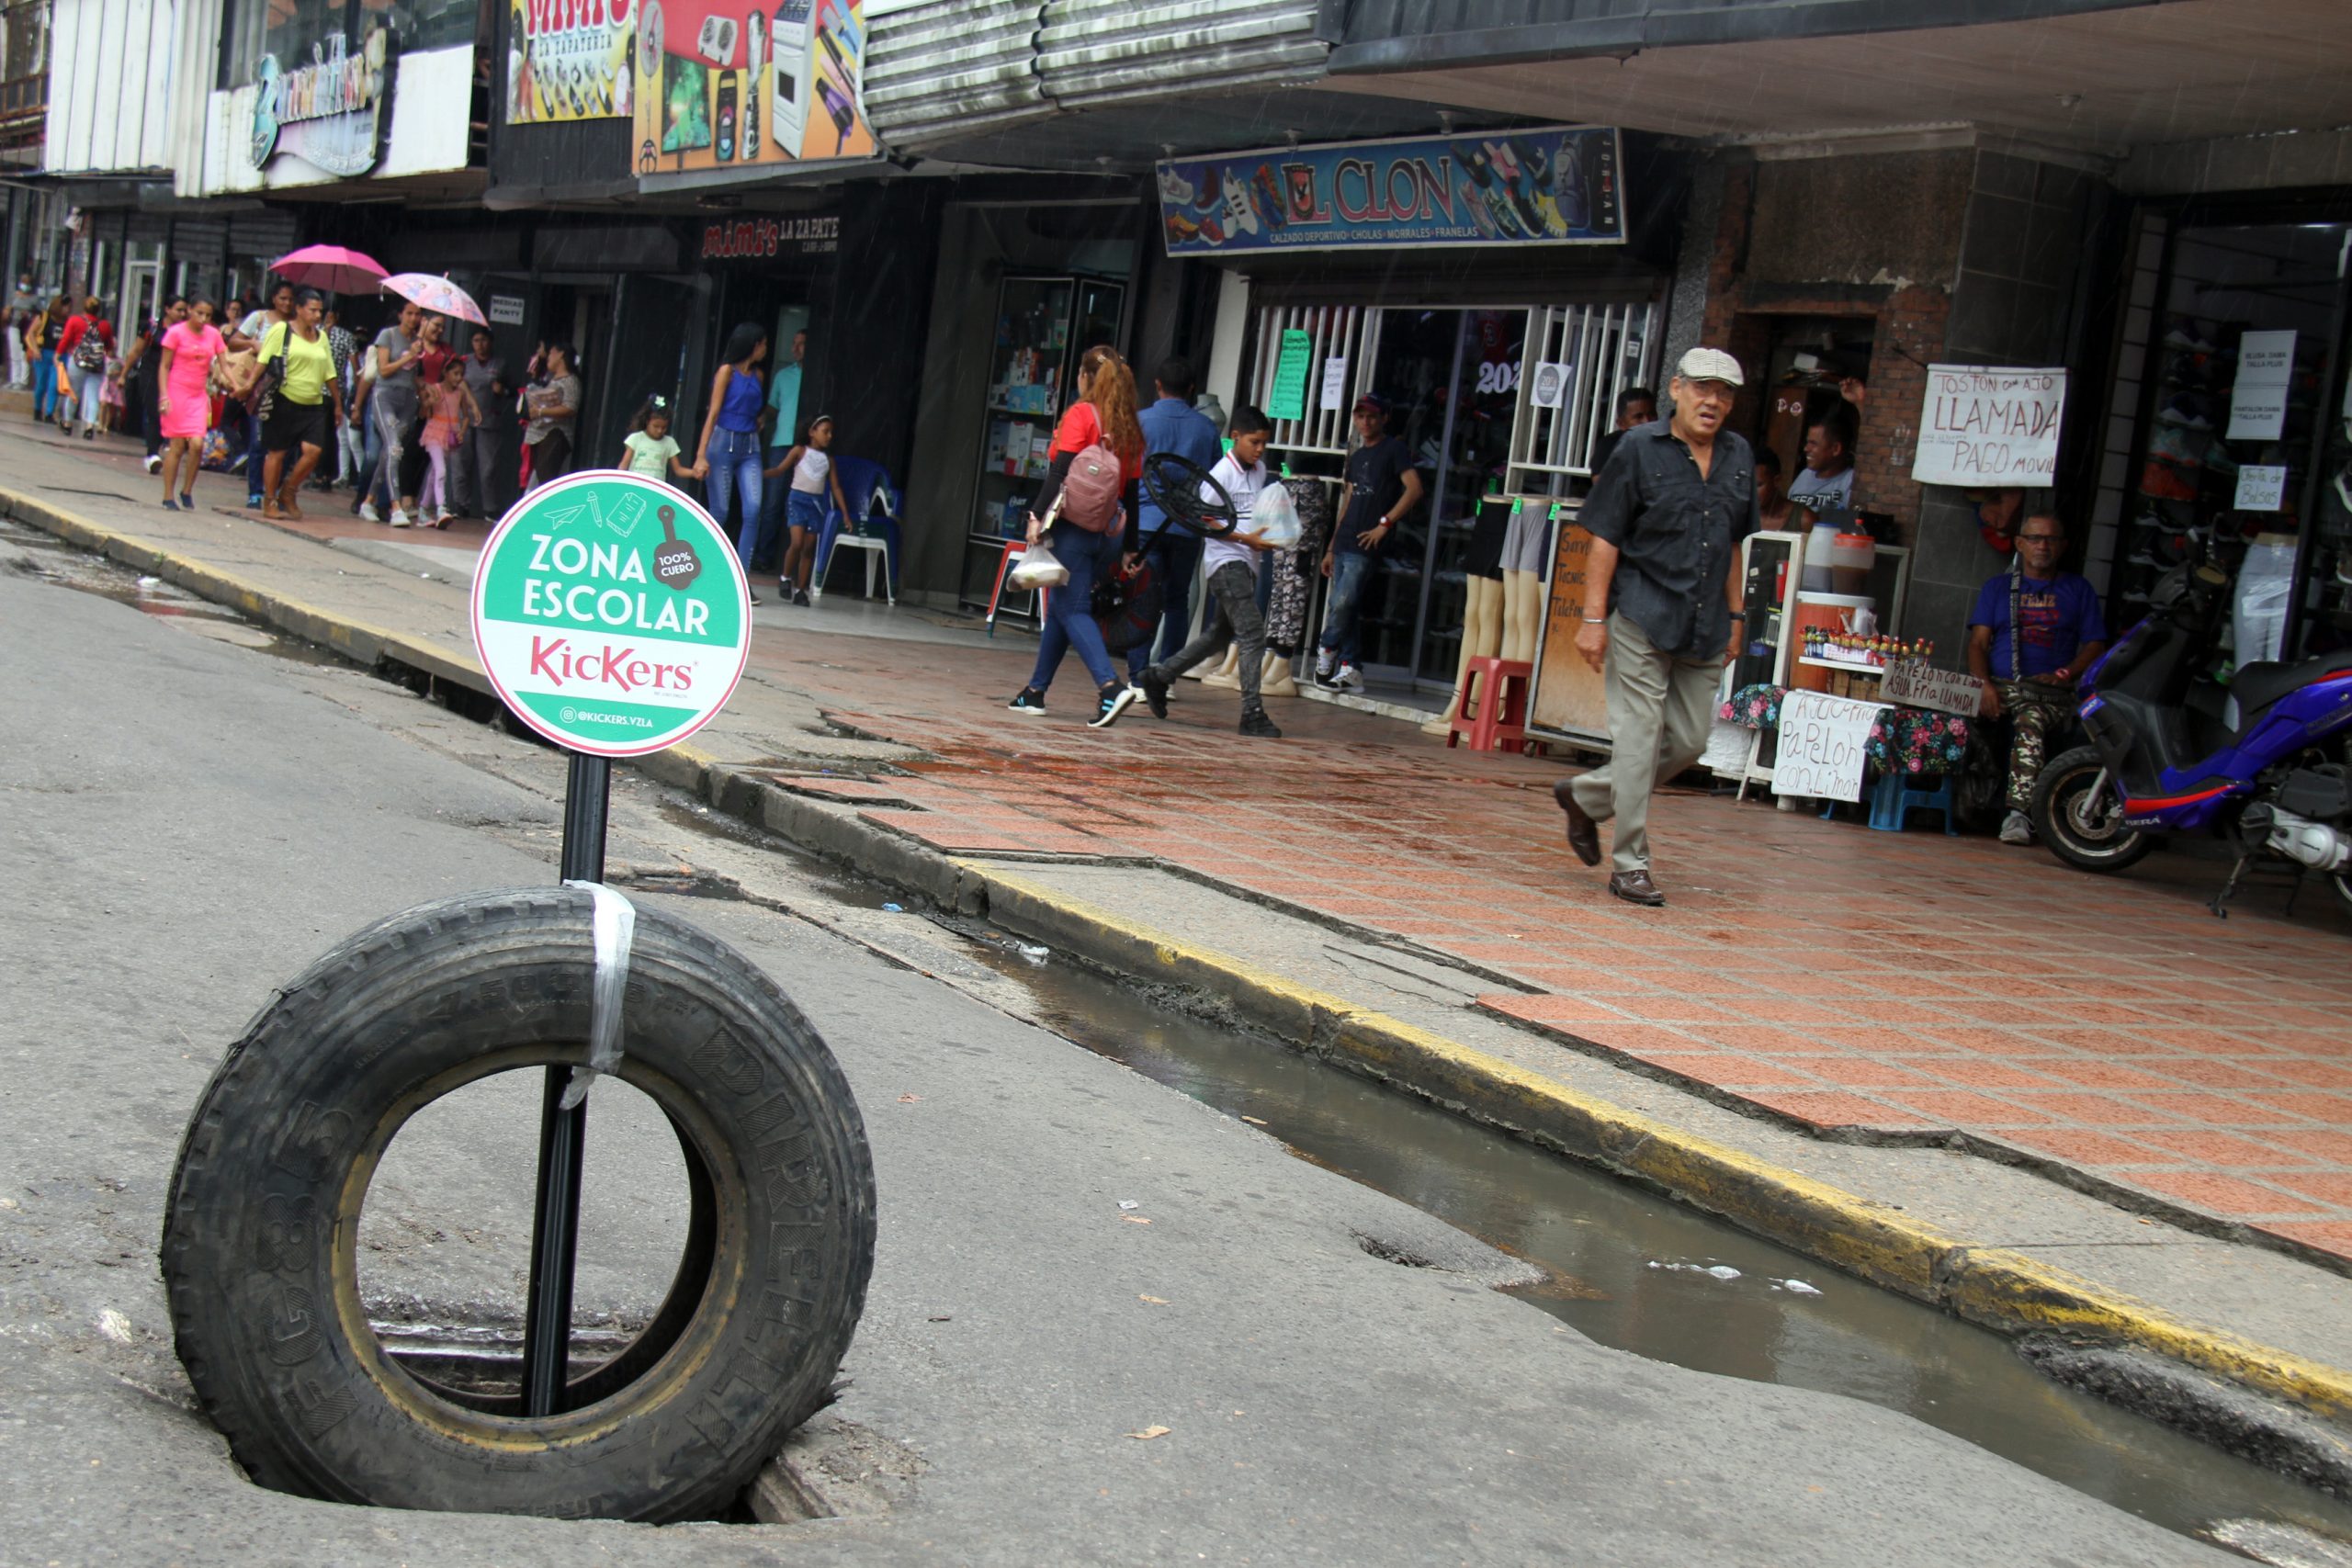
(1643, 1273)
(46, 558)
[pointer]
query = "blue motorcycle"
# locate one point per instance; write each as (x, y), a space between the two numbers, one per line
(2265, 760)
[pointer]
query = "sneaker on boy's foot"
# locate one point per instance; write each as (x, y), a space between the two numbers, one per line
(1154, 687)
(368, 513)
(2016, 829)
(1346, 679)
(1255, 722)
(1027, 701)
(800, 597)
(1110, 703)
(1326, 662)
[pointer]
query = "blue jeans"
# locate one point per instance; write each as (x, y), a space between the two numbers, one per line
(1349, 569)
(765, 548)
(1069, 618)
(44, 386)
(805, 513)
(256, 459)
(1176, 563)
(735, 471)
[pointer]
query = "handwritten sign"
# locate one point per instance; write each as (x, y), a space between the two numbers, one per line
(1915, 683)
(2259, 396)
(1287, 398)
(1335, 382)
(1992, 427)
(2262, 487)
(1821, 746)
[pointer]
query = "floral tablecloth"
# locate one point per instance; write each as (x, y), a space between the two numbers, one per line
(1903, 740)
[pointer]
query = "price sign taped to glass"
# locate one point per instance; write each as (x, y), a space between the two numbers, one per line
(611, 614)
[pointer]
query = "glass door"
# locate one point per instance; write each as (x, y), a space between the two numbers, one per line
(1031, 361)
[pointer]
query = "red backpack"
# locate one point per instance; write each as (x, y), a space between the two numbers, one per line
(1090, 490)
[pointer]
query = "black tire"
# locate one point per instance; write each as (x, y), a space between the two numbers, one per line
(261, 1224)
(2086, 834)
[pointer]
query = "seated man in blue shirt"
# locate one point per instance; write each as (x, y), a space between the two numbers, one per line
(2034, 631)
(1172, 424)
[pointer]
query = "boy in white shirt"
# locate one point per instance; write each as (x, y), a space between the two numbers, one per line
(1231, 564)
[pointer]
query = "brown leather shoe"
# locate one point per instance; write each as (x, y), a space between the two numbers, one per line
(1635, 888)
(1584, 834)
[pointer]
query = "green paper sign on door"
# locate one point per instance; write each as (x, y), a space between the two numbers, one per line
(611, 614)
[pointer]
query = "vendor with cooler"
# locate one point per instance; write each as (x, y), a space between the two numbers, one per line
(2034, 631)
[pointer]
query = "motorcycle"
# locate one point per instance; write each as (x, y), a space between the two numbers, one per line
(2265, 760)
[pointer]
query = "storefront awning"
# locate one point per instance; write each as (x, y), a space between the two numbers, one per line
(2092, 75)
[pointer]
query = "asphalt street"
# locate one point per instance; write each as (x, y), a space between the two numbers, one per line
(191, 814)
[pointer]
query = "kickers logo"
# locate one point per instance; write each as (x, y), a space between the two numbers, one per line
(603, 639)
(615, 668)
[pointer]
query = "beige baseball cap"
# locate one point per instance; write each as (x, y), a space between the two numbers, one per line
(1710, 365)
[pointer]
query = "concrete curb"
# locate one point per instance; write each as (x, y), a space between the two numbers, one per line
(1992, 1287)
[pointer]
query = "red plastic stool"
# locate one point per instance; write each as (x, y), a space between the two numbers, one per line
(1014, 550)
(1493, 712)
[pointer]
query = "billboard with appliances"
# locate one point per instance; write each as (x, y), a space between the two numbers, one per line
(724, 85)
(568, 60)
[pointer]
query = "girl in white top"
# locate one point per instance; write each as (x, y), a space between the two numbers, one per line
(811, 468)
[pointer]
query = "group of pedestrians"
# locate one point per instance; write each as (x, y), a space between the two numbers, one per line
(740, 470)
(69, 357)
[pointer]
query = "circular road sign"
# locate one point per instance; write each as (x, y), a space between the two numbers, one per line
(611, 614)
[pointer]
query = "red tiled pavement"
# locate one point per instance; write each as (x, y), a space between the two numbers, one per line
(1906, 984)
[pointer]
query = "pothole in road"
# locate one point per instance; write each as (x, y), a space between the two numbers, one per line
(1639, 1273)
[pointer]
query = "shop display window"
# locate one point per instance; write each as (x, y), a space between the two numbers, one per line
(1043, 325)
(289, 28)
(2244, 458)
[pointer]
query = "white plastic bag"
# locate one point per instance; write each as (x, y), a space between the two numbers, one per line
(2259, 617)
(1274, 518)
(1039, 567)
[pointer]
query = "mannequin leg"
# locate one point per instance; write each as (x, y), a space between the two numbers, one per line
(1275, 680)
(1228, 673)
(1522, 614)
(1482, 635)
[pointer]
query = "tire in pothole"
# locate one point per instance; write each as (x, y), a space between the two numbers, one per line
(260, 1231)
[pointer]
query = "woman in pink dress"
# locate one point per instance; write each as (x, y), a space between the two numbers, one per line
(185, 405)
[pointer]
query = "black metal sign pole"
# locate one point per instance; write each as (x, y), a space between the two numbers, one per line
(555, 1226)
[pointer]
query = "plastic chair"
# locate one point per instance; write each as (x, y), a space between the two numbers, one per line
(872, 524)
(1014, 550)
(1492, 711)
(1893, 798)
(869, 543)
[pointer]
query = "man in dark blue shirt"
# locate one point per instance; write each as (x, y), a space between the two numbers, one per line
(1661, 597)
(1172, 424)
(2034, 631)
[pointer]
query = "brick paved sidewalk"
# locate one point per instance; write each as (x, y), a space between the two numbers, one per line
(1909, 986)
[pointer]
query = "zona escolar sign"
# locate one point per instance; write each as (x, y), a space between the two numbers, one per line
(611, 614)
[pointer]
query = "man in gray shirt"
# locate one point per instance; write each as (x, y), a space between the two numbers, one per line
(1661, 598)
(483, 463)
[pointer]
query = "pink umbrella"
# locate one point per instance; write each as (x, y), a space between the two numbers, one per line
(331, 267)
(437, 295)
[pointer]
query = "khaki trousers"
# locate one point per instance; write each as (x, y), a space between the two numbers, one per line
(1661, 710)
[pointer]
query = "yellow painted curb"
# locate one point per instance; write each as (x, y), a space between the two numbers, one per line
(1993, 1286)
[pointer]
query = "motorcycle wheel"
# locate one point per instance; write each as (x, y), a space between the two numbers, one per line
(2086, 833)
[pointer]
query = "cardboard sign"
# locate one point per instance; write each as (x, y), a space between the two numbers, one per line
(2262, 487)
(611, 614)
(1915, 683)
(1570, 697)
(2259, 396)
(1822, 740)
(1989, 426)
